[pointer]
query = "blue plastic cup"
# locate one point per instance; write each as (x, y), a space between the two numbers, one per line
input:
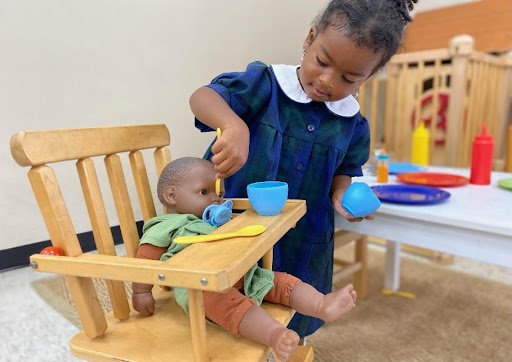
(267, 197)
(359, 200)
(217, 215)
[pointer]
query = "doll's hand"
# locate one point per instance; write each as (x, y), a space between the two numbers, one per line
(336, 198)
(231, 150)
(144, 303)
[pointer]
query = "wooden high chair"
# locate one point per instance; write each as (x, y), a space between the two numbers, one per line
(168, 335)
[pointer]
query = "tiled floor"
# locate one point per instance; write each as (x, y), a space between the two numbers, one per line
(29, 329)
(32, 331)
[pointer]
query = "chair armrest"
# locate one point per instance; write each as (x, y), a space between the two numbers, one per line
(216, 266)
(127, 269)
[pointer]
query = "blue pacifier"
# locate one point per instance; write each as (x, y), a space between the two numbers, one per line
(217, 215)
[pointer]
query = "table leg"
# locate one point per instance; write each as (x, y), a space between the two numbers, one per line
(392, 275)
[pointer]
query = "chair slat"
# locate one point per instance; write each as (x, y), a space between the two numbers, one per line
(31, 148)
(101, 231)
(391, 103)
(162, 158)
(87, 305)
(54, 210)
(140, 177)
(63, 235)
(419, 92)
(123, 204)
(436, 83)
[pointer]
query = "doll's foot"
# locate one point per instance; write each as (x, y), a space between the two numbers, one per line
(284, 341)
(337, 303)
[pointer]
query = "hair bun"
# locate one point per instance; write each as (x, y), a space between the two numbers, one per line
(410, 4)
(404, 7)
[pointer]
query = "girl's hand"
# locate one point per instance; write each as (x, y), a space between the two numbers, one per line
(336, 198)
(231, 150)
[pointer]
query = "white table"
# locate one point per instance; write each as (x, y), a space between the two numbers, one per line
(475, 222)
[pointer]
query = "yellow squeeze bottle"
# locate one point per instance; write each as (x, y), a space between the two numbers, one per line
(420, 145)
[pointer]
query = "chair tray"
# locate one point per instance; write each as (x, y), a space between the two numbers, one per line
(141, 339)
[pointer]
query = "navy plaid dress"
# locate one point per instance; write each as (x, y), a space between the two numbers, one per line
(305, 145)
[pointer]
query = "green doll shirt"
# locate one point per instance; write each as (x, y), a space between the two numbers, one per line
(161, 231)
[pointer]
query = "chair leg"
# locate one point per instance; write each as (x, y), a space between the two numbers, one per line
(198, 324)
(361, 277)
(302, 354)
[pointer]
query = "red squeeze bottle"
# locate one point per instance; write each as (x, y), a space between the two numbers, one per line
(481, 159)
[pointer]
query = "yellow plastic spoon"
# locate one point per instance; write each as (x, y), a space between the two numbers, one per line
(251, 230)
(217, 180)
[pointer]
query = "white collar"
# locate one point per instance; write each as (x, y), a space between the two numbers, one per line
(289, 82)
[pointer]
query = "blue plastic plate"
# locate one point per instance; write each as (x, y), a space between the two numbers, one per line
(410, 194)
(403, 167)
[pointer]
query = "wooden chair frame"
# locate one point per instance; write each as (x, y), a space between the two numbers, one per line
(169, 334)
(358, 267)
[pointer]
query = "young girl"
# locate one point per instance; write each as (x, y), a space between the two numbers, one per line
(301, 124)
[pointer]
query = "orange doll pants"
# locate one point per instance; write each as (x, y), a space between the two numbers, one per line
(227, 309)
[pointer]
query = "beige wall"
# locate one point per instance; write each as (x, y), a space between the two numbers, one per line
(81, 63)
(77, 63)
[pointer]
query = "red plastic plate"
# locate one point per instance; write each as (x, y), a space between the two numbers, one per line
(432, 179)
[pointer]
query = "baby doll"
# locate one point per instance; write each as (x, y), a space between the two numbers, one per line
(186, 187)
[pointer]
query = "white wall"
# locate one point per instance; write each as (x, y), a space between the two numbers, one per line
(77, 63)
(81, 63)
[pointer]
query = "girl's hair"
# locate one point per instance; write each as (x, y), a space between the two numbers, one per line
(377, 24)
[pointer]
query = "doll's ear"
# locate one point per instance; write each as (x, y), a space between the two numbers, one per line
(169, 196)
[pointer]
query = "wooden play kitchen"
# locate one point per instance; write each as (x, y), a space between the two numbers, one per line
(169, 334)
(454, 90)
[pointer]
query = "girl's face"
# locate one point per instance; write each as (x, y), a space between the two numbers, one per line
(334, 66)
(198, 192)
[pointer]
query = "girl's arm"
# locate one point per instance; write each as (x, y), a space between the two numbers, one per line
(232, 148)
(339, 185)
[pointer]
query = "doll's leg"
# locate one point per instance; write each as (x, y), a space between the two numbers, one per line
(307, 300)
(284, 284)
(241, 316)
(227, 309)
(304, 298)
(259, 326)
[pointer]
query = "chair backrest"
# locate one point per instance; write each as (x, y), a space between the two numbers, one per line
(40, 149)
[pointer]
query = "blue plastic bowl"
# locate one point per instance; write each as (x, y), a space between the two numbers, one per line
(267, 197)
(359, 200)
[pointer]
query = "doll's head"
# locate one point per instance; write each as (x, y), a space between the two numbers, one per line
(187, 186)
(348, 42)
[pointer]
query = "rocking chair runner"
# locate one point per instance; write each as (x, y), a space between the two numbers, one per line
(122, 334)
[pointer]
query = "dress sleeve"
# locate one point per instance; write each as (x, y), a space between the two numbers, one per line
(358, 150)
(245, 92)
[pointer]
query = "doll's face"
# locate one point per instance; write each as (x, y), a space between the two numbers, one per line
(334, 66)
(197, 192)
